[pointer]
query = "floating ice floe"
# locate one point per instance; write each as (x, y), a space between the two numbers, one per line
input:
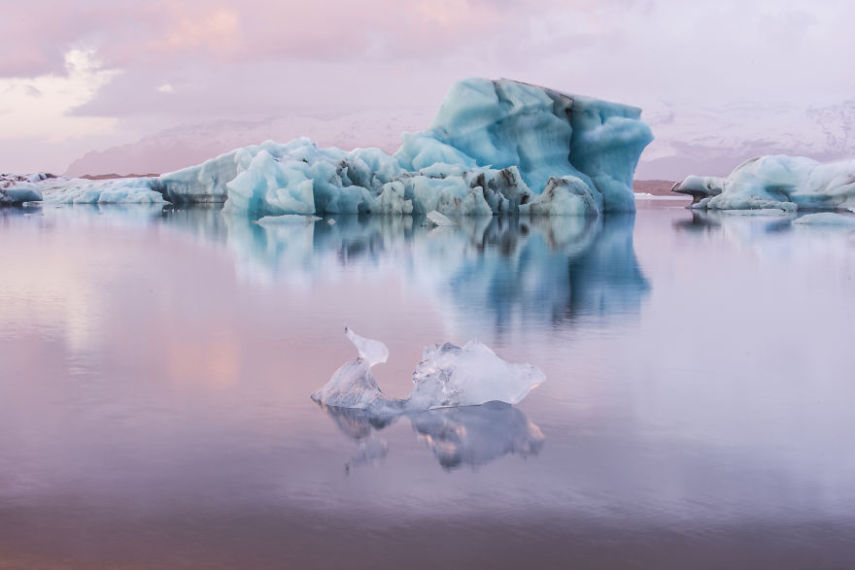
(780, 182)
(447, 376)
(827, 219)
(460, 405)
(495, 147)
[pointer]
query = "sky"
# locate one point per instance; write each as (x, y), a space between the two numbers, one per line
(82, 76)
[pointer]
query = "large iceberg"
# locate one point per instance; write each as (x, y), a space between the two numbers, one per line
(495, 147)
(776, 182)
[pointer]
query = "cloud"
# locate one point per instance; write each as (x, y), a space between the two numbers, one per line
(39, 106)
(195, 60)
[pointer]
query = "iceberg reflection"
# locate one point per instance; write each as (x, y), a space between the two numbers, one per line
(494, 270)
(488, 274)
(464, 436)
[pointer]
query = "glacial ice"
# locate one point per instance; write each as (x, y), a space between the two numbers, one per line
(447, 376)
(60, 190)
(828, 219)
(495, 147)
(371, 351)
(16, 188)
(781, 182)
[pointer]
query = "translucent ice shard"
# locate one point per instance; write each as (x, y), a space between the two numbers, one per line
(372, 351)
(447, 376)
(351, 386)
(450, 376)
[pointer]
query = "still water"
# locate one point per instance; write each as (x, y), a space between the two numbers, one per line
(156, 366)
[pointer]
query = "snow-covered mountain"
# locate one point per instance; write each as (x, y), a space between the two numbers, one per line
(714, 140)
(187, 145)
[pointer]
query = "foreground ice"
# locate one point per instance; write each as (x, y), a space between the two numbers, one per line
(495, 147)
(781, 182)
(461, 403)
(447, 376)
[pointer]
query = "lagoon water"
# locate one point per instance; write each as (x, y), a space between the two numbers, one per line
(156, 366)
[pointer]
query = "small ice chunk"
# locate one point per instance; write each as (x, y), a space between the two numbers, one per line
(827, 219)
(351, 386)
(371, 351)
(449, 375)
(438, 219)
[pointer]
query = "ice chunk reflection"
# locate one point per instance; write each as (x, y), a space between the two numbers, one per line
(460, 404)
(466, 436)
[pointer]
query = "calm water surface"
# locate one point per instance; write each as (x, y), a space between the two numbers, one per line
(156, 366)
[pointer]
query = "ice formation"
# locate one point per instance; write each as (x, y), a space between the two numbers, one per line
(495, 147)
(60, 190)
(780, 182)
(447, 376)
(17, 189)
(827, 219)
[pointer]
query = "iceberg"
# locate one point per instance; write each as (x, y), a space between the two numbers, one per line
(447, 376)
(827, 219)
(61, 190)
(16, 189)
(779, 182)
(495, 147)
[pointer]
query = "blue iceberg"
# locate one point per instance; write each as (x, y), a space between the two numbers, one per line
(776, 182)
(495, 147)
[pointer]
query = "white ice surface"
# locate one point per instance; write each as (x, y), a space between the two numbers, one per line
(827, 219)
(61, 190)
(781, 182)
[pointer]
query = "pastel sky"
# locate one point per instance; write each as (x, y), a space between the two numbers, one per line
(78, 76)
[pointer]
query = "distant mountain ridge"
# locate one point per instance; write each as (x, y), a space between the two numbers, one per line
(709, 141)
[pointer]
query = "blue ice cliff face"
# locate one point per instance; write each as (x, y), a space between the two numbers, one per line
(787, 183)
(495, 147)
